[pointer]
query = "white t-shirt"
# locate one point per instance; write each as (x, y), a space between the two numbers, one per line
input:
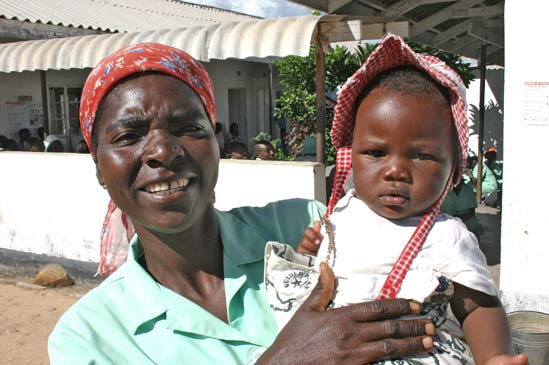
(367, 245)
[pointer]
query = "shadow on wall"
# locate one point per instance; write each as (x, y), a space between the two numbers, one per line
(493, 126)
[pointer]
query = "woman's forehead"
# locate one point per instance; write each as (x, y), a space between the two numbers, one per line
(147, 95)
(149, 88)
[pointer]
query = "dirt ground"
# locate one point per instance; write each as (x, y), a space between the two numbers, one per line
(28, 315)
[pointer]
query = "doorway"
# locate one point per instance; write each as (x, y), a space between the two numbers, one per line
(237, 111)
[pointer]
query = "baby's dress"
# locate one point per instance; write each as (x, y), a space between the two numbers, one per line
(366, 247)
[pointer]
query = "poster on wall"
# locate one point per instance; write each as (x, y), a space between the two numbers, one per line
(22, 114)
(535, 106)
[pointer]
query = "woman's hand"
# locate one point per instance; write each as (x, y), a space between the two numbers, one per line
(357, 334)
(310, 243)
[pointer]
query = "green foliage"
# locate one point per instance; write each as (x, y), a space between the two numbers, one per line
(297, 102)
(451, 59)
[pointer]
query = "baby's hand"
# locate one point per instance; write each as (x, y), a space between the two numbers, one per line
(310, 242)
(521, 359)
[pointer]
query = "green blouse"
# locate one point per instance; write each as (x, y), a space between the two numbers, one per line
(132, 319)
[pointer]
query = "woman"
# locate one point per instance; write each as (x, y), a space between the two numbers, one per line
(192, 288)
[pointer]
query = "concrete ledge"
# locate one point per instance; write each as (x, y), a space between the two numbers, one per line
(515, 301)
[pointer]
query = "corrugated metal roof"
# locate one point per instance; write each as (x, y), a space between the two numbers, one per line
(457, 26)
(117, 15)
(243, 40)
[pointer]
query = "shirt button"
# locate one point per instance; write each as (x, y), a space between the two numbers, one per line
(256, 354)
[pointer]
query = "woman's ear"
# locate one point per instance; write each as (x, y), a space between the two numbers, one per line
(99, 176)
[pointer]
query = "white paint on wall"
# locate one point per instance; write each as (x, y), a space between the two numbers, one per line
(52, 204)
(525, 238)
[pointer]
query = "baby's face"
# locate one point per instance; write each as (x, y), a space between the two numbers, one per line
(403, 152)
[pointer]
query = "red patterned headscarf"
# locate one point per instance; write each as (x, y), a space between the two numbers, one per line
(394, 52)
(144, 57)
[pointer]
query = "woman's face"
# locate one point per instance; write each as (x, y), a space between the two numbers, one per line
(156, 152)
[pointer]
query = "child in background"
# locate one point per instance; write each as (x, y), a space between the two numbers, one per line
(401, 123)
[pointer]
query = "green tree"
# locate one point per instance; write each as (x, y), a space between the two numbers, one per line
(297, 102)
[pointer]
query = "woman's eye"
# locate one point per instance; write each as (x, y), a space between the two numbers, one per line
(127, 137)
(188, 129)
(375, 153)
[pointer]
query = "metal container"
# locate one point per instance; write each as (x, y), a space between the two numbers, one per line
(530, 335)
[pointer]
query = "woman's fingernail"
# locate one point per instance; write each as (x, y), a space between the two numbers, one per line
(430, 329)
(415, 306)
(427, 343)
(317, 242)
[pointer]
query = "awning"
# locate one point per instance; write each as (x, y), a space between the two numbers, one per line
(256, 39)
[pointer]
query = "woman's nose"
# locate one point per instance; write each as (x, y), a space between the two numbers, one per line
(396, 170)
(161, 149)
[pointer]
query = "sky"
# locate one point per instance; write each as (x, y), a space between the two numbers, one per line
(262, 8)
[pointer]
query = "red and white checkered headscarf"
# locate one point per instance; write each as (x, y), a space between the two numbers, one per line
(394, 52)
(143, 57)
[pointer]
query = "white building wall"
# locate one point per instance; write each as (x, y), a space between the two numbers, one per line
(52, 204)
(525, 235)
(227, 74)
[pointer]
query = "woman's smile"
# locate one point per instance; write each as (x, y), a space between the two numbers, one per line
(168, 191)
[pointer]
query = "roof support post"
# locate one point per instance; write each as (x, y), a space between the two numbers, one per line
(44, 93)
(320, 98)
(481, 120)
(271, 119)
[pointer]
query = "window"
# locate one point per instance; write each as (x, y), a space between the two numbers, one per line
(64, 102)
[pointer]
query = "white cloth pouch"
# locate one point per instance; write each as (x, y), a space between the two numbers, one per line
(289, 279)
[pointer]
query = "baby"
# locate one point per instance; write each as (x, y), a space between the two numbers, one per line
(401, 123)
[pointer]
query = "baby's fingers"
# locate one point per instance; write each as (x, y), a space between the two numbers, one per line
(310, 243)
(520, 359)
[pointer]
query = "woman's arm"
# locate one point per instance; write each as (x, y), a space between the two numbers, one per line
(357, 334)
(485, 327)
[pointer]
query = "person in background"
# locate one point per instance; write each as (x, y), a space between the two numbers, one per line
(489, 185)
(308, 153)
(219, 135)
(238, 151)
(35, 145)
(192, 288)
(41, 133)
(263, 150)
(81, 147)
(496, 166)
(3, 139)
(55, 146)
(234, 134)
(10, 145)
(461, 202)
(24, 136)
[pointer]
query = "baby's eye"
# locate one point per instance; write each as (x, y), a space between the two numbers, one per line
(375, 153)
(424, 157)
